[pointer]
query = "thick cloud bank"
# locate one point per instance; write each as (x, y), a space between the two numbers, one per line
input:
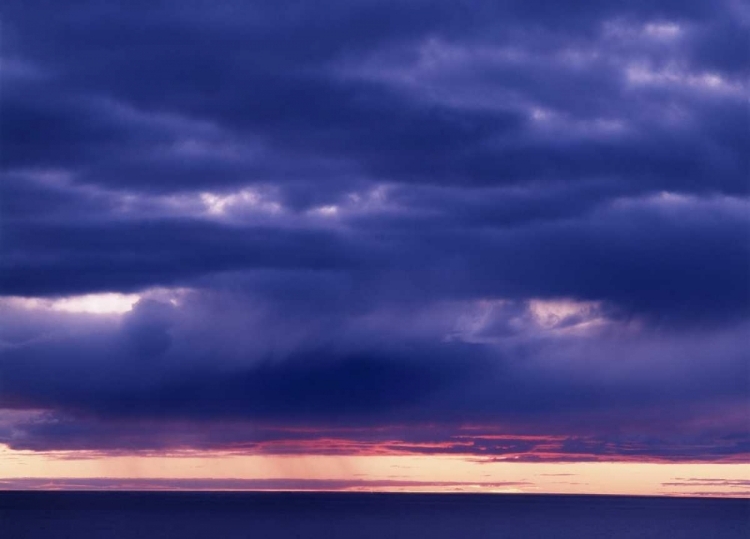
(503, 229)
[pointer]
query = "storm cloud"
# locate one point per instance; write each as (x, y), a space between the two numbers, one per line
(503, 229)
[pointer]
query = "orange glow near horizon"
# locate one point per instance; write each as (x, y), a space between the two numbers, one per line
(433, 473)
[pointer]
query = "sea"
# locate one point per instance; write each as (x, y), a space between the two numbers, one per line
(287, 515)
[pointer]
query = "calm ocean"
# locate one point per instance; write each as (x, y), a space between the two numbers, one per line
(141, 515)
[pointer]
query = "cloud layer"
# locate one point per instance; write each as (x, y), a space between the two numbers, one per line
(506, 229)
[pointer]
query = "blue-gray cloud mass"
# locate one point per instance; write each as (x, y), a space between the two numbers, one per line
(416, 219)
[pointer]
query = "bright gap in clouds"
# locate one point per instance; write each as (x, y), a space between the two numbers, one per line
(100, 303)
(97, 303)
(219, 204)
(105, 303)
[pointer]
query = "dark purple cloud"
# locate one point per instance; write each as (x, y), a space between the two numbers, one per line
(526, 217)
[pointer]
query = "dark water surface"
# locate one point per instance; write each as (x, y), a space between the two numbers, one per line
(146, 515)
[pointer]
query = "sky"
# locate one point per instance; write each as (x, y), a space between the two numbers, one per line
(494, 246)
